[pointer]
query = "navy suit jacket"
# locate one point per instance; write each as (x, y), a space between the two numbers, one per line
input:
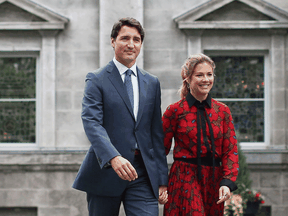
(111, 128)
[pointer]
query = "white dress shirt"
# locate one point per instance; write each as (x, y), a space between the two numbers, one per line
(122, 69)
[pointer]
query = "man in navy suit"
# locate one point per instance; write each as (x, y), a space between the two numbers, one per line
(122, 119)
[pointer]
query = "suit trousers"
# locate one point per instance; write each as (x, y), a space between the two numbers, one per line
(138, 198)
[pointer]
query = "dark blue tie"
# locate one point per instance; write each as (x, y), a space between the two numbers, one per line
(129, 87)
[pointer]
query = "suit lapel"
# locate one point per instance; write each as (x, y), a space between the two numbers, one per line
(117, 81)
(142, 93)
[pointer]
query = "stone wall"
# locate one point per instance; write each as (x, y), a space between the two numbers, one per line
(40, 183)
(43, 180)
(269, 172)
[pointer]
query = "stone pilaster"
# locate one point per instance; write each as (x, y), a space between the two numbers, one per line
(278, 86)
(47, 82)
(194, 42)
(286, 88)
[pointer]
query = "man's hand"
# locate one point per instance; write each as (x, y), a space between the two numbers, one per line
(163, 195)
(123, 168)
(224, 194)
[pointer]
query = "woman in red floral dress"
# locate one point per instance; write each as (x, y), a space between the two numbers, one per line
(205, 155)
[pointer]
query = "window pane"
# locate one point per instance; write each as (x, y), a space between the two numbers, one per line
(238, 77)
(18, 77)
(248, 120)
(17, 122)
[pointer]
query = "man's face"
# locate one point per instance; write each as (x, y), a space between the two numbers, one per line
(127, 45)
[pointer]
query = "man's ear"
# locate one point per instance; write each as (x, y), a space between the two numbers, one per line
(112, 43)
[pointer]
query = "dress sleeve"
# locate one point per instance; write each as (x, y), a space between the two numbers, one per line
(169, 125)
(230, 152)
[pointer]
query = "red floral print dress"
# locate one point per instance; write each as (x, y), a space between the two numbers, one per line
(189, 194)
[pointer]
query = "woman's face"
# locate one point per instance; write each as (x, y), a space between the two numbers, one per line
(201, 80)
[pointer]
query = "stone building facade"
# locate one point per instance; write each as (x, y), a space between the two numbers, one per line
(67, 38)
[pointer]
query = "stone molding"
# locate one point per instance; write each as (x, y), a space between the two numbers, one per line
(189, 19)
(71, 160)
(41, 161)
(51, 19)
(267, 160)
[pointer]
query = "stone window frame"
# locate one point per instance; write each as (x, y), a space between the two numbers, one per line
(19, 54)
(265, 54)
(276, 35)
(46, 32)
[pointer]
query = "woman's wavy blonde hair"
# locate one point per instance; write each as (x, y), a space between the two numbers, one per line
(187, 70)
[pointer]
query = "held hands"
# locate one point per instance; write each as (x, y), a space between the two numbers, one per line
(123, 168)
(163, 195)
(224, 194)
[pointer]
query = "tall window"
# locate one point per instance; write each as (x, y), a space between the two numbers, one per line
(240, 83)
(17, 99)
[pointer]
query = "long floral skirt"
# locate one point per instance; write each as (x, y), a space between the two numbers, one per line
(190, 196)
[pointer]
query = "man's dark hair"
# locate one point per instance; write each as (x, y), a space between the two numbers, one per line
(128, 21)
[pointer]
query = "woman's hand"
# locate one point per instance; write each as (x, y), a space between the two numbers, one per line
(224, 194)
(163, 195)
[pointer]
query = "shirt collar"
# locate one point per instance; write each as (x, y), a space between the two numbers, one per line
(122, 68)
(192, 100)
